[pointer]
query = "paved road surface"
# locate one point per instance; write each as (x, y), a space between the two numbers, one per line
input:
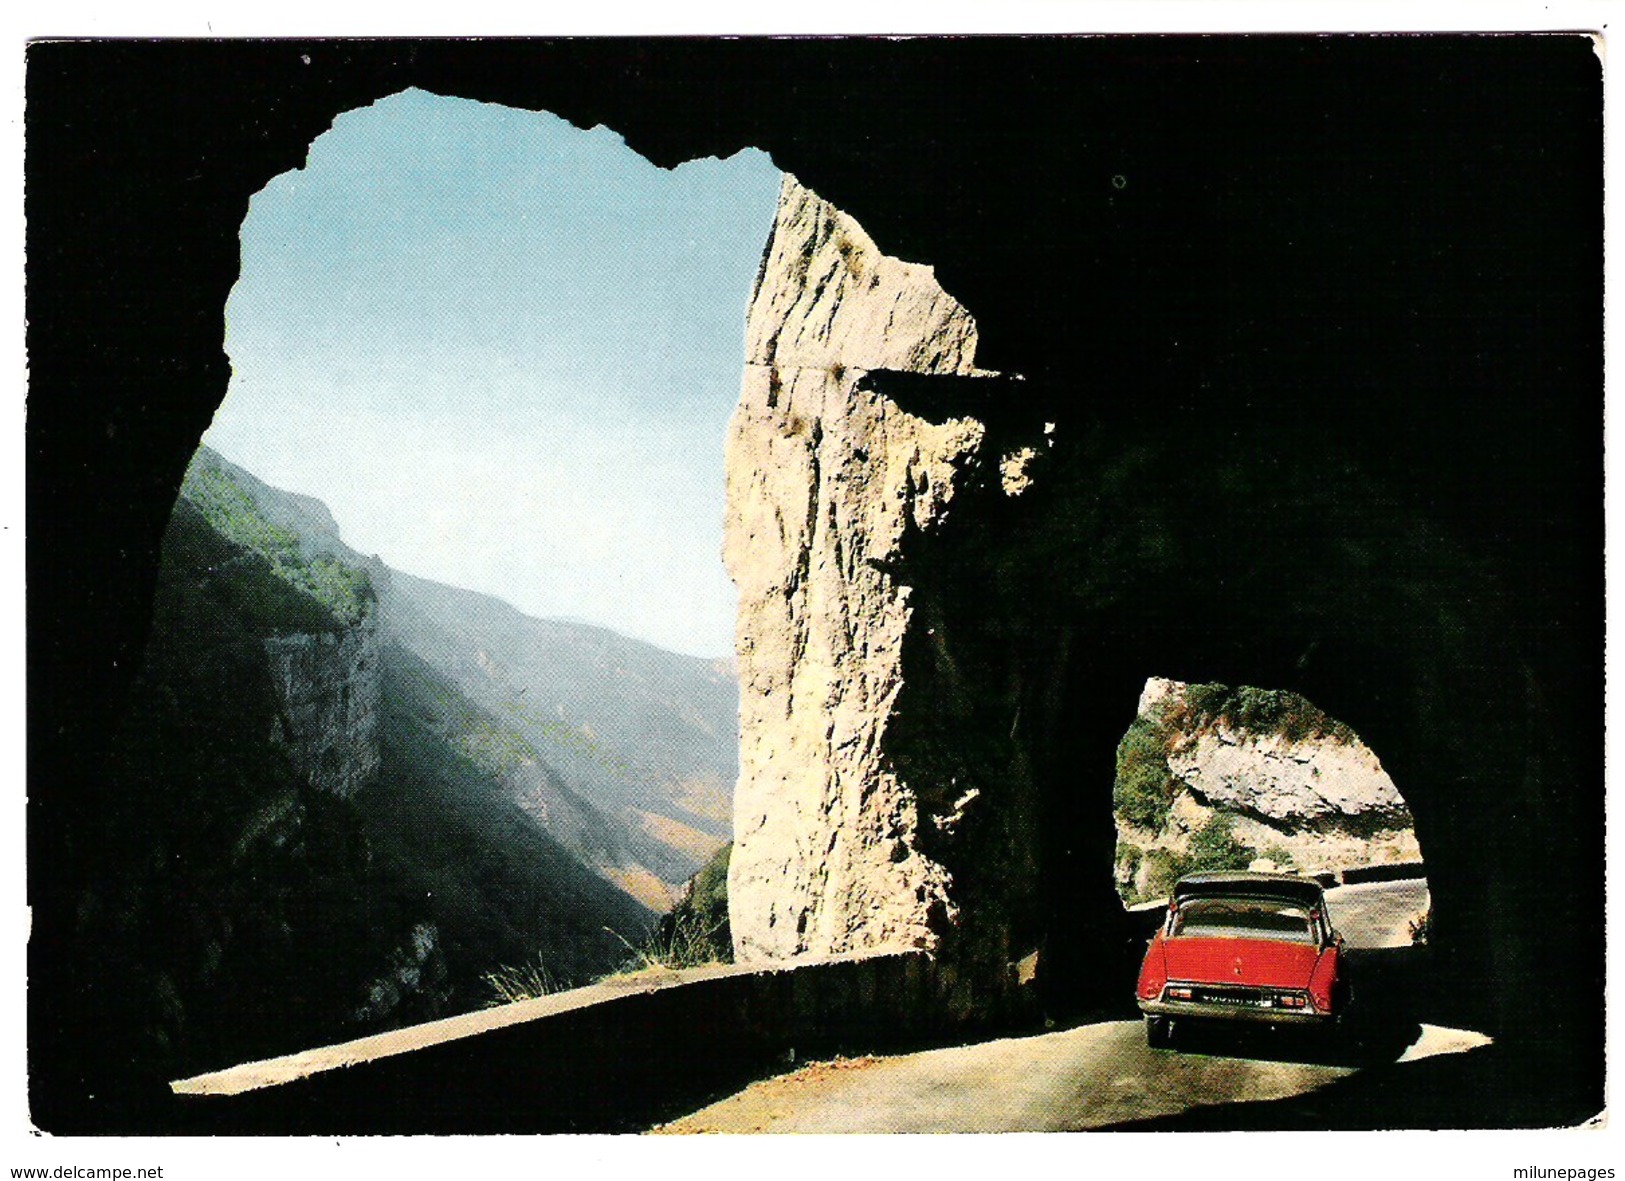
(1378, 914)
(1089, 1077)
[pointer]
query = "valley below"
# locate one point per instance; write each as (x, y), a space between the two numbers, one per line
(349, 799)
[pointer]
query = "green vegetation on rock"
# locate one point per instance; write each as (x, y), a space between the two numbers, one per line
(1259, 711)
(698, 924)
(1144, 788)
(344, 591)
(239, 582)
(1214, 846)
(1280, 856)
(695, 933)
(679, 941)
(237, 914)
(1164, 869)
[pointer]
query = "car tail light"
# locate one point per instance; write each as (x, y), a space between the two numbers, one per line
(1293, 1000)
(1175, 992)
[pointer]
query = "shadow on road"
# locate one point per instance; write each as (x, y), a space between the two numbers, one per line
(1375, 1044)
(1411, 1053)
(1492, 1087)
(1394, 993)
(1522, 1081)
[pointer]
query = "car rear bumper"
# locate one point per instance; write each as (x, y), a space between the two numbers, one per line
(1207, 1010)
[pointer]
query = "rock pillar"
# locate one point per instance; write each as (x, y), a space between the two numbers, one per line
(829, 479)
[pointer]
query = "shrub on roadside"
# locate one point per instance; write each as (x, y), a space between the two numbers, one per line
(526, 982)
(1215, 846)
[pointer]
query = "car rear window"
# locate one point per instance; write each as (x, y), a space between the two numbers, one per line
(1244, 918)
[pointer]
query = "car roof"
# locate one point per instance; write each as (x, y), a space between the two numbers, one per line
(1243, 883)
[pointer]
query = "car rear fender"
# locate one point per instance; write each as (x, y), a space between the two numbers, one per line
(1323, 980)
(1153, 970)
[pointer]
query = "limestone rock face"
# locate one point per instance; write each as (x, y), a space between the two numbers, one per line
(827, 478)
(327, 689)
(417, 968)
(1317, 802)
(1288, 782)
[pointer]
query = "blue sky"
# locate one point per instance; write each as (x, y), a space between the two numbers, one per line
(504, 351)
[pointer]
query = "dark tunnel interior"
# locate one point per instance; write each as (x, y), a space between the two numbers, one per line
(1319, 321)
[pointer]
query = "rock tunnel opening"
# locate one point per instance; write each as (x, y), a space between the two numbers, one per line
(1036, 606)
(1300, 481)
(1216, 778)
(967, 573)
(453, 534)
(1102, 569)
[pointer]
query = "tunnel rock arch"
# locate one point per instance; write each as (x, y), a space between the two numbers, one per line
(1401, 523)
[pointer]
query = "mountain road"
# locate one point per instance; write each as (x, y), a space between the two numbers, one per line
(1092, 1076)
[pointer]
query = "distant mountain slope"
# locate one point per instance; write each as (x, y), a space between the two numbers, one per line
(448, 836)
(235, 914)
(313, 833)
(649, 737)
(629, 752)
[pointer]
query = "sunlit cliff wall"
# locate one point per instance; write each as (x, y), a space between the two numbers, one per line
(828, 479)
